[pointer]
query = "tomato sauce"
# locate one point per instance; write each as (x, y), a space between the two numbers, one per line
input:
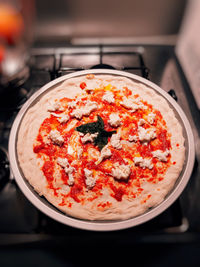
(117, 189)
(83, 85)
(48, 170)
(164, 141)
(75, 192)
(118, 192)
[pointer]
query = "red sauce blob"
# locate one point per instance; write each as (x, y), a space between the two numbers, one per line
(75, 191)
(118, 192)
(164, 142)
(83, 85)
(48, 170)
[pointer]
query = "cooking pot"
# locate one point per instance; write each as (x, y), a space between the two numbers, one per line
(43, 205)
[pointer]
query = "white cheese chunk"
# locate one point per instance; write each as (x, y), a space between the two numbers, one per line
(88, 138)
(72, 104)
(90, 106)
(132, 104)
(62, 118)
(90, 181)
(105, 154)
(55, 106)
(108, 97)
(141, 122)
(70, 150)
(129, 104)
(69, 171)
(151, 118)
(146, 135)
(121, 172)
(77, 113)
(56, 137)
(63, 162)
(114, 120)
(161, 155)
(143, 162)
(70, 179)
(85, 110)
(132, 138)
(115, 141)
(79, 152)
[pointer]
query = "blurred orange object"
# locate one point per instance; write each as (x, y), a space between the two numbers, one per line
(2, 52)
(11, 23)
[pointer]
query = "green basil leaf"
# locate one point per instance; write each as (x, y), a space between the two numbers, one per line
(92, 127)
(96, 127)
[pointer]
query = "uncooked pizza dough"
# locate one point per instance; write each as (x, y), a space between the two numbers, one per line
(101, 147)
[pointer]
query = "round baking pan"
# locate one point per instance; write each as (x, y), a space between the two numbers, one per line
(43, 205)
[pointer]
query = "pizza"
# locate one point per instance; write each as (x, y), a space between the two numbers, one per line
(101, 147)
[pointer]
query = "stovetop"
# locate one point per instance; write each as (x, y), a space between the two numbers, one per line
(21, 223)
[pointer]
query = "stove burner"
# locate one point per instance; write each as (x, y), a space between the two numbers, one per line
(102, 66)
(4, 169)
(18, 216)
(13, 98)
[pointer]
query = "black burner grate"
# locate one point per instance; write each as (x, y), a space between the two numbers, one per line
(64, 62)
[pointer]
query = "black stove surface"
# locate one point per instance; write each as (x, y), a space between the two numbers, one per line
(21, 223)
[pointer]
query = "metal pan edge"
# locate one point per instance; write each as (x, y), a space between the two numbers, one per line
(57, 215)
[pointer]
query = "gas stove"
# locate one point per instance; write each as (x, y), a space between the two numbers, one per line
(20, 222)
